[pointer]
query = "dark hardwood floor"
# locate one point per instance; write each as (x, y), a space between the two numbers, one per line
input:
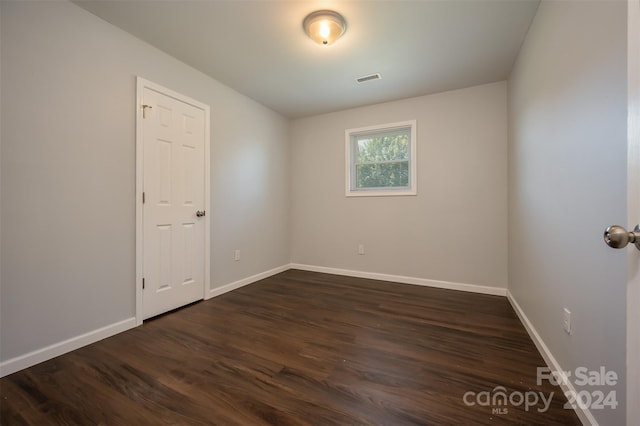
(299, 348)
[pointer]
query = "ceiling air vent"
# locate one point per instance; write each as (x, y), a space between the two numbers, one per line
(369, 77)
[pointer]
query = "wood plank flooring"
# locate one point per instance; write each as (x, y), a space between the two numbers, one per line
(298, 348)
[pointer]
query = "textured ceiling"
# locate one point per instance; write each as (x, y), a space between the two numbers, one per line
(259, 48)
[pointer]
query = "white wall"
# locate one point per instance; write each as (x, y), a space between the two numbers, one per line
(1, 67)
(567, 183)
(454, 230)
(68, 173)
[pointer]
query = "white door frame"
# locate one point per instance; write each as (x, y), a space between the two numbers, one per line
(141, 84)
(633, 211)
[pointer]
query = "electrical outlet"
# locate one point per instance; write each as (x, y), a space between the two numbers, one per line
(566, 320)
(360, 248)
(236, 255)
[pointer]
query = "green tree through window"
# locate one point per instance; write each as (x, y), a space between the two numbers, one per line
(382, 161)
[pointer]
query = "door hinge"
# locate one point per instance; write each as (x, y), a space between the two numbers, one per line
(143, 283)
(143, 198)
(144, 110)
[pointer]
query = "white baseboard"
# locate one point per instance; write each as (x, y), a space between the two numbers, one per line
(246, 281)
(36, 357)
(473, 288)
(32, 358)
(583, 413)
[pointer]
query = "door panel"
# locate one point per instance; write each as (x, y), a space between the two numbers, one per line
(633, 207)
(173, 184)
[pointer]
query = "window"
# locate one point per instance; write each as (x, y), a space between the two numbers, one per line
(381, 160)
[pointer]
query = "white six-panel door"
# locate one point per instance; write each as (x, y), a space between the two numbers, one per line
(173, 134)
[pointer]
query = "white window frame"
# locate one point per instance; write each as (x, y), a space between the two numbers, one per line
(412, 189)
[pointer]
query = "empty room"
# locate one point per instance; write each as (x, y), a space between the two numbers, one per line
(258, 212)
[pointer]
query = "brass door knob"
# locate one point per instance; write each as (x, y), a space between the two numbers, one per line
(617, 237)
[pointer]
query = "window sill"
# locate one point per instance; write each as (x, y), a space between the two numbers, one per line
(389, 193)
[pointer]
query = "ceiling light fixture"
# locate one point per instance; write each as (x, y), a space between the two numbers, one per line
(324, 26)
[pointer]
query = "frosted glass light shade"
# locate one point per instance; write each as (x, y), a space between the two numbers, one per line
(324, 26)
